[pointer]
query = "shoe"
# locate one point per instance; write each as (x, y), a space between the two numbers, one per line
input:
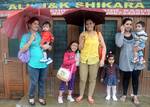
(49, 60)
(123, 98)
(107, 97)
(114, 98)
(60, 100)
(135, 100)
(43, 60)
(91, 100)
(42, 101)
(31, 101)
(142, 61)
(79, 99)
(69, 98)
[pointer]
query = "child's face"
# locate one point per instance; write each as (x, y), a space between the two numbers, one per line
(111, 60)
(46, 27)
(139, 27)
(74, 46)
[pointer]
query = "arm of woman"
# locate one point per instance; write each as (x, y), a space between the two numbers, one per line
(103, 73)
(119, 39)
(104, 48)
(81, 41)
(120, 36)
(27, 44)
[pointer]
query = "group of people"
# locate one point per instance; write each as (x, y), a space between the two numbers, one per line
(131, 60)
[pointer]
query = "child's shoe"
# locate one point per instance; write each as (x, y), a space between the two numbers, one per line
(114, 98)
(107, 97)
(60, 100)
(135, 60)
(142, 61)
(43, 60)
(49, 60)
(69, 98)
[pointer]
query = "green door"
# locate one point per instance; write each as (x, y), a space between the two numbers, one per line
(109, 30)
(60, 43)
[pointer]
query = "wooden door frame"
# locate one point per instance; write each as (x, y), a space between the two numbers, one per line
(4, 54)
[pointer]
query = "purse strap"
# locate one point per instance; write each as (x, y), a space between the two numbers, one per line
(72, 66)
(98, 35)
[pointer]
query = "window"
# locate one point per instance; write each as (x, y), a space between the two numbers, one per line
(13, 47)
(109, 30)
(60, 43)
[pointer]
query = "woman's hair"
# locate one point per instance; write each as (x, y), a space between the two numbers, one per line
(31, 20)
(91, 20)
(126, 19)
(69, 46)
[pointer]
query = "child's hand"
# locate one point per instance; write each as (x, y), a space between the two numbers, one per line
(101, 64)
(102, 80)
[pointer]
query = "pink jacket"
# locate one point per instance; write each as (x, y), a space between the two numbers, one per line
(69, 61)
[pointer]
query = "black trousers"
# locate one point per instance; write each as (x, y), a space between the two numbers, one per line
(135, 81)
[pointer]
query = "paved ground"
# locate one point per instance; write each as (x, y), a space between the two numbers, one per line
(100, 102)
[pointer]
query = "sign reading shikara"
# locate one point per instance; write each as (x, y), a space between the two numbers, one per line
(58, 8)
(81, 5)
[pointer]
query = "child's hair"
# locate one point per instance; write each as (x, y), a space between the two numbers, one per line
(46, 23)
(69, 46)
(110, 54)
(141, 23)
(126, 19)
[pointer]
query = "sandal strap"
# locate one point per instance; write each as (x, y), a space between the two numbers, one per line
(79, 99)
(42, 101)
(31, 101)
(136, 101)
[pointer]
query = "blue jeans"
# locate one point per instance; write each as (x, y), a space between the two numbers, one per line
(37, 76)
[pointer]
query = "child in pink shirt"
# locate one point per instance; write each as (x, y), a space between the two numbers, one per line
(69, 61)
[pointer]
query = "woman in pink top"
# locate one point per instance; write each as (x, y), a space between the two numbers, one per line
(69, 61)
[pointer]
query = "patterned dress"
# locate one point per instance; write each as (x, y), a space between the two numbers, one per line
(110, 74)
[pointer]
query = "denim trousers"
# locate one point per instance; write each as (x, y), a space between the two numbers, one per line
(37, 77)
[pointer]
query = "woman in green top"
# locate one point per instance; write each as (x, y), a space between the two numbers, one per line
(37, 70)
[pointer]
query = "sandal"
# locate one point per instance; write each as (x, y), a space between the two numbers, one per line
(123, 98)
(42, 101)
(135, 100)
(79, 99)
(91, 100)
(31, 101)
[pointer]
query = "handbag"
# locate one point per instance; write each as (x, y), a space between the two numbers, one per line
(24, 56)
(64, 74)
(100, 48)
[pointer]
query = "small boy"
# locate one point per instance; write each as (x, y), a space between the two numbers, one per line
(140, 41)
(47, 38)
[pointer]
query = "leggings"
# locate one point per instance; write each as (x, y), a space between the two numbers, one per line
(135, 81)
